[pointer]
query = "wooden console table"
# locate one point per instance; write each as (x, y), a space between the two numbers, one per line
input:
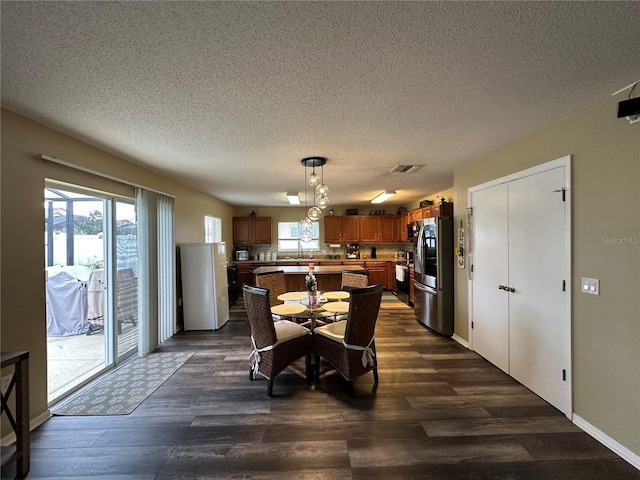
(20, 425)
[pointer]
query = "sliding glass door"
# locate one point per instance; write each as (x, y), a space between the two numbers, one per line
(126, 260)
(91, 285)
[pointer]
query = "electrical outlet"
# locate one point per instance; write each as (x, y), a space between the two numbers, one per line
(6, 380)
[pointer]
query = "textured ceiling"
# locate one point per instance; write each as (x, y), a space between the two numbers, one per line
(229, 96)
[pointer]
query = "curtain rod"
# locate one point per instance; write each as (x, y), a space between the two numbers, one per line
(60, 161)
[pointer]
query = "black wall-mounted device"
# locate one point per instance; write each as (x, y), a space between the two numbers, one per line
(630, 109)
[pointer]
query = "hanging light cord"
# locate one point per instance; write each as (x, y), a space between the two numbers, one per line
(305, 187)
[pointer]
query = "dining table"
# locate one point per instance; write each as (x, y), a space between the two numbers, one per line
(296, 307)
(332, 306)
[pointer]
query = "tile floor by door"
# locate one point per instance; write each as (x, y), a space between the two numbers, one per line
(439, 412)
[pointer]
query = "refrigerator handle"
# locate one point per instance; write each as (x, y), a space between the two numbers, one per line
(424, 288)
(440, 253)
(421, 245)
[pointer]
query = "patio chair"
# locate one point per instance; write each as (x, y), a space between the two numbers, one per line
(275, 344)
(126, 298)
(348, 345)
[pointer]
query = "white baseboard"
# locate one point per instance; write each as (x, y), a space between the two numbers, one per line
(607, 441)
(461, 341)
(34, 423)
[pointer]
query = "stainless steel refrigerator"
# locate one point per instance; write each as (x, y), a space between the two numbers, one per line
(433, 274)
(205, 294)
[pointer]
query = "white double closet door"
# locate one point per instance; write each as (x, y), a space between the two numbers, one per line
(519, 287)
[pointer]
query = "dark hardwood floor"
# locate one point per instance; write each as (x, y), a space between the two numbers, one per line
(439, 412)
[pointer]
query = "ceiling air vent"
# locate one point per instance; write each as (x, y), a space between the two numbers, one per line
(405, 168)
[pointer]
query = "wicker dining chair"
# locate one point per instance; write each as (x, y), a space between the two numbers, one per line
(274, 282)
(348, 345)
(275, 345)
(355, 278)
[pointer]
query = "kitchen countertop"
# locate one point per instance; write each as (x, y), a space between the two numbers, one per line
(316, 261)
(298, 270)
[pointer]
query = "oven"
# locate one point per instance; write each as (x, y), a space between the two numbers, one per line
(403, 281)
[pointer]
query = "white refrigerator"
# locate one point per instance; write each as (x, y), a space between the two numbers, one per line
(205, 295)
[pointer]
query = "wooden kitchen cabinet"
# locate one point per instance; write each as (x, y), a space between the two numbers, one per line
(377, 228)
(390, 284)
(252, 230)
(377, 273)
(442, 210)
(341, 229)
(245, 275)
(401, 227)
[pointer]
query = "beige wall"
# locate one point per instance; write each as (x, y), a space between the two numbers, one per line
(22, 256)
(606, 209)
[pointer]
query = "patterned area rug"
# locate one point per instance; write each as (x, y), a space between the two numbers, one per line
(120, 392)
(389, 300)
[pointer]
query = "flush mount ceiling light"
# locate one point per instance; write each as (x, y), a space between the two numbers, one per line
(320, 194)
(386, 195)
(293, 198)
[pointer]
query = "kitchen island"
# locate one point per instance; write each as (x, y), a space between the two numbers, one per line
(329, 276)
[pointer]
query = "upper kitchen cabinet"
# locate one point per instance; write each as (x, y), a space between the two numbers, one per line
(252, 230)
(401, 227)
(442, 210)
(378, 228)
(341, 229)
(439, 210)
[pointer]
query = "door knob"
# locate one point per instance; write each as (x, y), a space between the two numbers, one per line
(510, 289)
(502, 287)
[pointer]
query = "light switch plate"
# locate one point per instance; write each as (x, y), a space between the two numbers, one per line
(590, 286)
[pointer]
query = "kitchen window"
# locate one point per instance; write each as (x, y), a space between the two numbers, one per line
(289, 237)
(212, 229)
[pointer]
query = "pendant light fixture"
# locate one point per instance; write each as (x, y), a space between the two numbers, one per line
(322, 200)
(319, 192)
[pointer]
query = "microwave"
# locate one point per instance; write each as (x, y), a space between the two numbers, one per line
(412, 230)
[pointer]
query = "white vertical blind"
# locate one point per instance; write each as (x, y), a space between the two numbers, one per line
(156, 267)
(146, 203)
(166, 268)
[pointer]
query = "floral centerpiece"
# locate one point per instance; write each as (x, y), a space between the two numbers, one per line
(311, 282)
(312, 289)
